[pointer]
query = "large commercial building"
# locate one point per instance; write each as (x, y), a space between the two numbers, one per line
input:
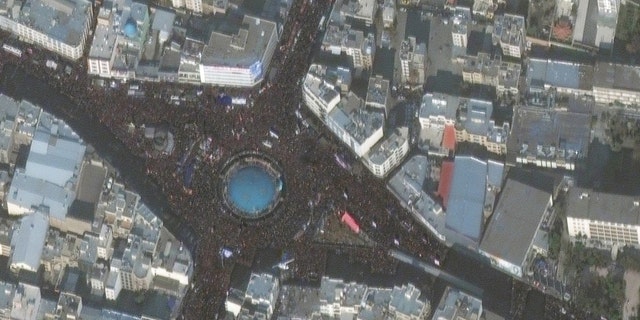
(61, 26)
(239, 57)
(595, 23)
(509, 32)
(603, 219)
(131, 43)
(563, 77)
(616, 83)
(525, 202)
(27, 242)
(549, 138)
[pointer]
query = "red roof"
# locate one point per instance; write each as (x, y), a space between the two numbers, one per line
(449, 137)
(446, 175)
(349, 221)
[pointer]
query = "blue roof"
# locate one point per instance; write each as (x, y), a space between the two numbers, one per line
(466, 199)
(130, 28)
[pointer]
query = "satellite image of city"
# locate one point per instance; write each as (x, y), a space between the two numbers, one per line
(320, 159)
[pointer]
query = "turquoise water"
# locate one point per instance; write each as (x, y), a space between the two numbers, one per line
(251, 189)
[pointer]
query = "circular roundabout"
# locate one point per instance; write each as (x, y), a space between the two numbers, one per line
(252, 185)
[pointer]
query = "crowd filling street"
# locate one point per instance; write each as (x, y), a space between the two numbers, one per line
(311, 176)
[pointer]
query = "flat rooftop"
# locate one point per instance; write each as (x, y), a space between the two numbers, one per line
(550, 134)
(238, 44)
(458, 305)
(516, 219)
(377, 91)
(461, 18)
(64, 20)
(382, 151)
(352, 115)
(439, 105)
(562, 74)
(599, 206)
(467, 196)
(510, 29)
(616, 76)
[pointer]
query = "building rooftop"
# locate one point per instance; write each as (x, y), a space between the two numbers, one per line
(509, 29)
(516, 219)
(382, 151)
(549, 134)
(599, 206)
(458, 305)
(407, 186)
(26, 302)
(377, 92)
(616, 76)
(336, 76)
(28, 239)
(336, 291)
(353, 117)
(358, 9)
(6, 296)
(467, 196)
(64, 20)
(436, 105)
(541, 72)
(262, 288)
(461, 19)
(475, 117)
(239, 45)
(27, 191)
(321, 88)
(502, 73)
(405, 300)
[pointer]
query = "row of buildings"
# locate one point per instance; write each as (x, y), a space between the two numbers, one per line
(73, 218)
(336, 298)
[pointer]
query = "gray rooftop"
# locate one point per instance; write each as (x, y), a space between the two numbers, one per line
(28, 239)
(239, 45)
(262, 287)
(26, 301)
(599, 206)
(406, 301)
(461, 19)
(377, 91)
(353, 117)
(573, 75)
(616, 76)
(358, 9)
(28, 191)
(550, 133)
(63, 20)
(467, 196)
(515, 221)
(439, 105)
(510, 29)
(383, 150)
(458, 305)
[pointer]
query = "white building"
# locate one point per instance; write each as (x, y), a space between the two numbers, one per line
(240, 59)
(113, 285)
(119, 38)
(359, 10)
(509, 31)
(56, 25)
(438, 110)
(341, 38)
(603, 219)
(340, 299)
(458, 305)
(460, 30)
(406, 304)
(261, 294)
(388, 153)
(27, 242)
(412, 62)
(388, 13)
(601, 13)
(356, 126)
(319, 96)
(26, 302)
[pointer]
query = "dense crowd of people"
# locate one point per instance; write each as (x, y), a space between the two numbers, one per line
(310, 173)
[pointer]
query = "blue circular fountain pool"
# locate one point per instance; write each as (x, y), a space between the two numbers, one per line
(252, 189)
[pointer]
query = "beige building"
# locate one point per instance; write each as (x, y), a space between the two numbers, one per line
(475, 125)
